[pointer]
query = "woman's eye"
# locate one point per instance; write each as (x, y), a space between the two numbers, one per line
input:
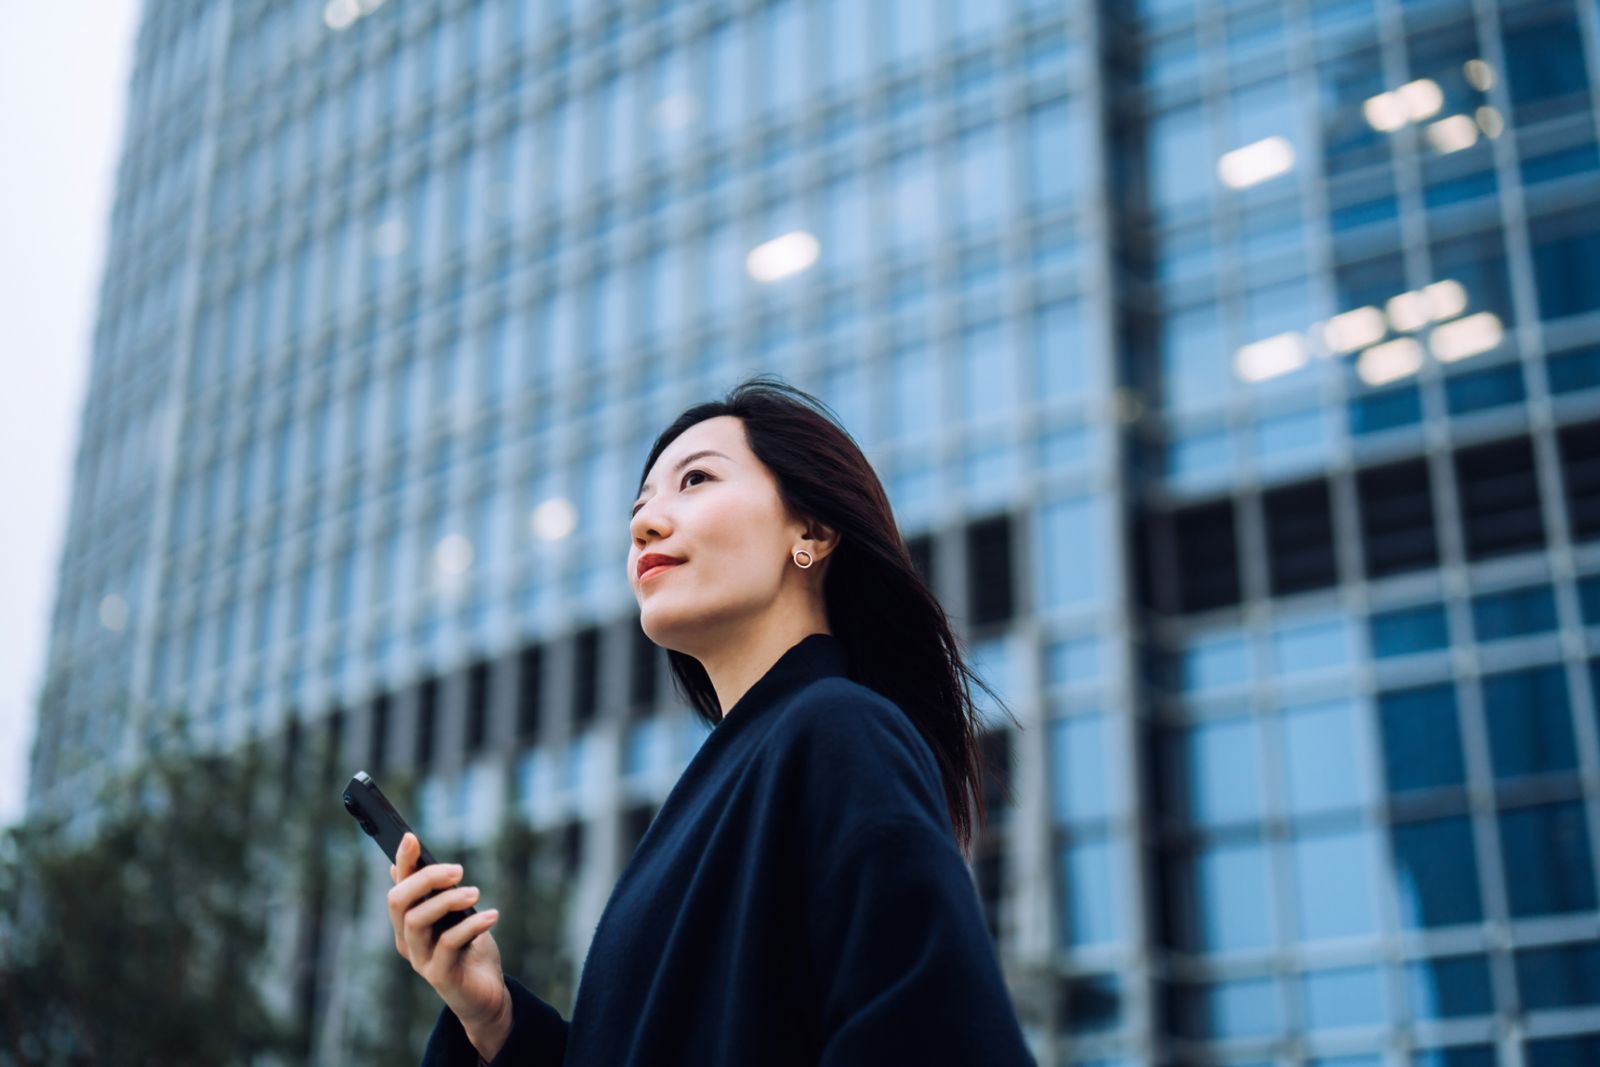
(692, 473)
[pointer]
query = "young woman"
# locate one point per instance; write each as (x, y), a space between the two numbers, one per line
(800, 898)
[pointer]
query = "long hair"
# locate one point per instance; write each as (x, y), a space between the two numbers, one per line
(899, 640)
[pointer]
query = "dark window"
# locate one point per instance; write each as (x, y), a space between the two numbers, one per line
(586, 677)
(1436, 872)
(1396, 518)
(1421, 738)
(1580, 467)
(1575, 370)
(1448, 987)
(1207, 556)
(1478, 262)
(1562, 1052)
(1589, 600)
(1544, 64)
(1385, 410)
(1300, 538)
(1547, 864)
(1499, 492)
(989, 570)
(1409, 630)
(921, 550)
(379, 738)
(1484, 389)
(1560, 164)
(996, 746)
(642, 673)
(1530, 723)
(529, 676)
(1567, 976)
(477, 707)
(1566, 264)
(427, 717)
(1514, 613)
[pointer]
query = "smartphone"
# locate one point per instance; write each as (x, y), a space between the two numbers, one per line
(371, 809)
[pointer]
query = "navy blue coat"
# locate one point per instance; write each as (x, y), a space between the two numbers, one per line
(798, 899)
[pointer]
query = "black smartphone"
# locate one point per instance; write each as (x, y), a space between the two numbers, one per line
(371, 809)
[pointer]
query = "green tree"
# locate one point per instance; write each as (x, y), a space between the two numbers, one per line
(157, 924)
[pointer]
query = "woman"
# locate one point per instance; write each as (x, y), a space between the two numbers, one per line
(800, 897)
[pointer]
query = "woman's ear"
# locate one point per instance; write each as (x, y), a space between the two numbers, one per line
(824, 539)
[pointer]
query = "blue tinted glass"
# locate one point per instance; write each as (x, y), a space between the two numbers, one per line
(1387, 410)
(1572, 371)
(1436, 872)
(1180, 155)
(1589, 600)
(1215, 663)
(1060, 351)
(1484, 389)
(1197, 459)
(1242, 1009)
(1408, 630)
(1193, 359)
(1070, 551)
(1544, 62)
(1530, 729)
(1567, 976)
(1311, 647)
(1448, 987)
(1547, 863)
(1350, 996)
(1093, 892)
(1223, 766)
(1073, 661)
(1566, 265)
(1563, 1052)
(1056, 162)
(1233, 898)
(1324, 769)
(1084, 775)
(1459, 1056)
(1421, 738)
(1455, 190)
(1514, 613)
(1334, 884)
(1553, 165)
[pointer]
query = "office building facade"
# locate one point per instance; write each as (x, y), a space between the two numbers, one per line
(1233, 369)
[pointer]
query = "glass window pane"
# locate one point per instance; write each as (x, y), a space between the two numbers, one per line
(1181, 158)
(1325, 770)
(1409, 630)
(1334, 884)
(1056, 160)
(1530, 725)
(1421, 738)
(1093, 892)
(1223, 764)
(1312, 646)
(1547, 862)
(1233, 898)
(1070, 552)
(1514, 613)
(1449, 987)
(1241, 1008)
(1085, 773)
(1350, 996)
(1566, 976)
(1436, 872)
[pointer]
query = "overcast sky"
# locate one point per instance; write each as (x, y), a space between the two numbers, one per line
(63, 77)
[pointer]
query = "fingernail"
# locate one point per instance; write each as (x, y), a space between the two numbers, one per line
(454, 868)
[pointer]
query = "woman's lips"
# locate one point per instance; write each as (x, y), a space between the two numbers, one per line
(657, 570)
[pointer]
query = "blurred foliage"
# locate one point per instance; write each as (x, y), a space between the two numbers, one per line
(178, 918)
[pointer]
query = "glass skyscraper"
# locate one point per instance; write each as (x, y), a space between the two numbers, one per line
(1233, 368)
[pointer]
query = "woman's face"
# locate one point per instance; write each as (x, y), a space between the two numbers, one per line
(720, 514)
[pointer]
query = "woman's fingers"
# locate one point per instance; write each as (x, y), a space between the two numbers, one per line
(405, 857)
(412, 888)
(458, 935)
(422, 916)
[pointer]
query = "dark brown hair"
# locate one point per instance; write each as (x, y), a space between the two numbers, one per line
(899, 640)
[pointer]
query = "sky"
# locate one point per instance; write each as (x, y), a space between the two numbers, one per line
(63, 79)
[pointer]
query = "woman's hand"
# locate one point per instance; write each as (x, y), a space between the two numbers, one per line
(466, 976)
